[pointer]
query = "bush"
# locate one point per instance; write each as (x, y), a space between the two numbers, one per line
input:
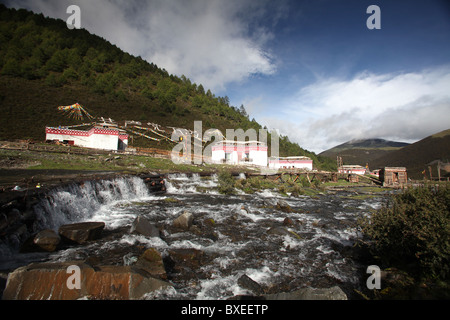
(413, 230)
(226, 182)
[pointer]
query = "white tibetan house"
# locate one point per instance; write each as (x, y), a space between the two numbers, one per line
(352, 169)
(103, 135)
(297, 162)
(240, 152)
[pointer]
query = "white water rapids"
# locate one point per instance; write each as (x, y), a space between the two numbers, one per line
(315, 250)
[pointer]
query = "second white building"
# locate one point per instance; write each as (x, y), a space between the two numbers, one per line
(240, 152)
(299, 162)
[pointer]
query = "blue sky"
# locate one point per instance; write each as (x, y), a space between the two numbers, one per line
(311, 69)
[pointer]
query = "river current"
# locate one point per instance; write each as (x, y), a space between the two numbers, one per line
(309, 244)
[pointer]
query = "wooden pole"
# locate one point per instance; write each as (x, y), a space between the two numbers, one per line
(439, 170)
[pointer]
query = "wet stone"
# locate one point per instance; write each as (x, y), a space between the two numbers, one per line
(184, 221)
(248, 283)
(142, 226)
(47, 240)
(81, 232)
(49, 281)
(282, 231)
(152, 262)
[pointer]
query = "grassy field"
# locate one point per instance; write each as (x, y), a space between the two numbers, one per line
(25, 159)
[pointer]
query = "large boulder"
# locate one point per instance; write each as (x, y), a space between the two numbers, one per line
(144, 227)
(184, 221)
(81, 232)
(333, 293)
(54, 281)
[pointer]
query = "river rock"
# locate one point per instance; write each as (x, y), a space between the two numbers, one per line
(46, 240)
(152, 262)
(143, 226)
(81, 232)
(248, 283)
(282, 231)
(184, 221)
(51, 281)
(184, 261)
(284, 206)
(288, 221)
(333, 293)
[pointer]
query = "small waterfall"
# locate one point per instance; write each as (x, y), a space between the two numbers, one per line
(181, 183)
(79, 202)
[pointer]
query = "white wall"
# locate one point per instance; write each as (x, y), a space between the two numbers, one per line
(259, 157)
(99, 138)
(299, 164)
(217, 155)
(82, 141)
(104, 141)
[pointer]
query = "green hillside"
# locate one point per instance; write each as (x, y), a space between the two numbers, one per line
(362, 151)
(43, 65)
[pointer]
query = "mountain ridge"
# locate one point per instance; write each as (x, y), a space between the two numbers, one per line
(373, 143)
(362, 151)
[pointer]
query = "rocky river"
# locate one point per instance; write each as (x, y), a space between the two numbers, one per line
(211, 246)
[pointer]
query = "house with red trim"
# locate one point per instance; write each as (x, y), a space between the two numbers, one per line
(297, 162)
(106, 136)
(240, 152)
(352, 169)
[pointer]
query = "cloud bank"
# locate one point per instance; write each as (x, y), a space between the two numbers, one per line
(401, 106)
(212, 42)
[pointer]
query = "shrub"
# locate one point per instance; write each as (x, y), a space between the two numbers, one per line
(413, 229)
(226, 182)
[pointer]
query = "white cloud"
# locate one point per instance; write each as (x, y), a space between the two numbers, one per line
(402, 107)
(212, 42)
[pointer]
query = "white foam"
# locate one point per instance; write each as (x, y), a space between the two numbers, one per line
(252, 216)
(219, 287)
(261, 276)
(133, 239)
(266, 193)
(291, 243)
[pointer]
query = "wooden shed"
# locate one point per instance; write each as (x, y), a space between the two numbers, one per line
(391, 176)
